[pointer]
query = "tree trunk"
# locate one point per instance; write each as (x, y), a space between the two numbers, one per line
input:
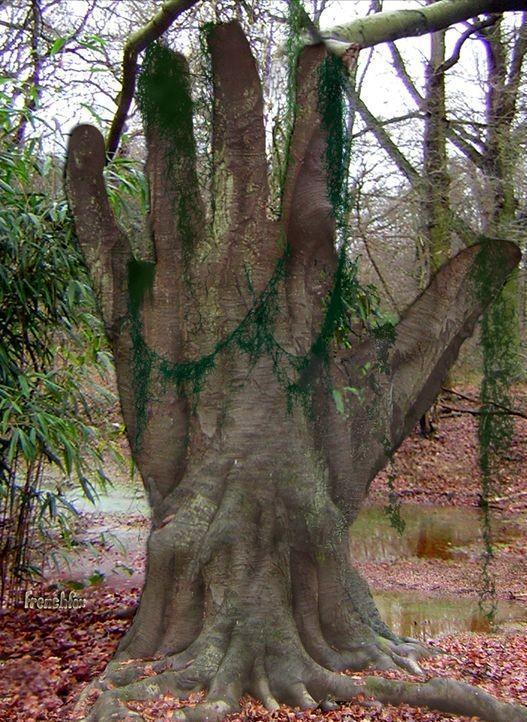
(500, 167)
(226, 364)
(437, 214)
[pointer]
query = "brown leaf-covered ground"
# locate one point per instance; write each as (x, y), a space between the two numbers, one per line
(47, 657)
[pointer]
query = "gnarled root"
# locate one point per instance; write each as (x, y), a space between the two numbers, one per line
(262, 619)
(445, 695)
(275, 668)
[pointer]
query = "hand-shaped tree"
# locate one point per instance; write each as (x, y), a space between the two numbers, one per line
(249, 582)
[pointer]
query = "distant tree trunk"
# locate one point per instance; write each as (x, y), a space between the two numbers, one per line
(250, 584)
(437, 216)
(33, 88)
(500, 160)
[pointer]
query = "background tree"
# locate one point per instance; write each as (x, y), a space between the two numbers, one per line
(54, 410)
(50, 337)
(228, 350)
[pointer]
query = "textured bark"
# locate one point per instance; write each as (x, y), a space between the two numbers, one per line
(250, 585)
(437, 213)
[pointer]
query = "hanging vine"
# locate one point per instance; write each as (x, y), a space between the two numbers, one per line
(495, 429)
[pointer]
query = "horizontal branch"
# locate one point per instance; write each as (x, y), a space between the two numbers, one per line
(480, 412)
(390, 121)
(396, 24)
(501, 407)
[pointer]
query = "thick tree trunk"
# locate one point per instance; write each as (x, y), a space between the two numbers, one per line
(250, 585)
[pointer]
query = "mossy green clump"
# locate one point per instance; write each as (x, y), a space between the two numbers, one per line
(164, 97)
(333, 111)
(141, 276)
(165, 102)
(349, 301)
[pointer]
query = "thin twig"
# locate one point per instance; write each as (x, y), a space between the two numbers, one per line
(480, 412)
(501, 407)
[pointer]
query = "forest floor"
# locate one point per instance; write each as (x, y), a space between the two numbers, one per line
(426, 582)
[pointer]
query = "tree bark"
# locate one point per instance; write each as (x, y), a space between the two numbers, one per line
(250, 585)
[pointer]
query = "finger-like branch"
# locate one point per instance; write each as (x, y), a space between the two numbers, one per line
(136, 43)
(176, 208)
(307, 213)
(240, 183)
(105, 248)
(306, 188)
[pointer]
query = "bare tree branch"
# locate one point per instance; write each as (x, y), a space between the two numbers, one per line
(136, 43)
(389, 26)
(501, 407)
(414, 177)
(471, 30)
(465, 147)
(389, 121)
(400, 68)
(480, 412)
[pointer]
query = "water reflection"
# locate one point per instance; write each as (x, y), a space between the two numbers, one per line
(431, 532)
(412, 615)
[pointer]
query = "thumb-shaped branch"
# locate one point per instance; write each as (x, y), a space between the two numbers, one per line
(400, 376)
(106, 249)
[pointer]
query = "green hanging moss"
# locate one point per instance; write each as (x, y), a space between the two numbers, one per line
(141, 275)
(165, 102)
(349, 300)
(164, 98)
(495, 429)
(332, 108)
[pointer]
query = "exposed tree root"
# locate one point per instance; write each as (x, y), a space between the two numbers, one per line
(263, 619)
(278, 671)
(445, 695)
